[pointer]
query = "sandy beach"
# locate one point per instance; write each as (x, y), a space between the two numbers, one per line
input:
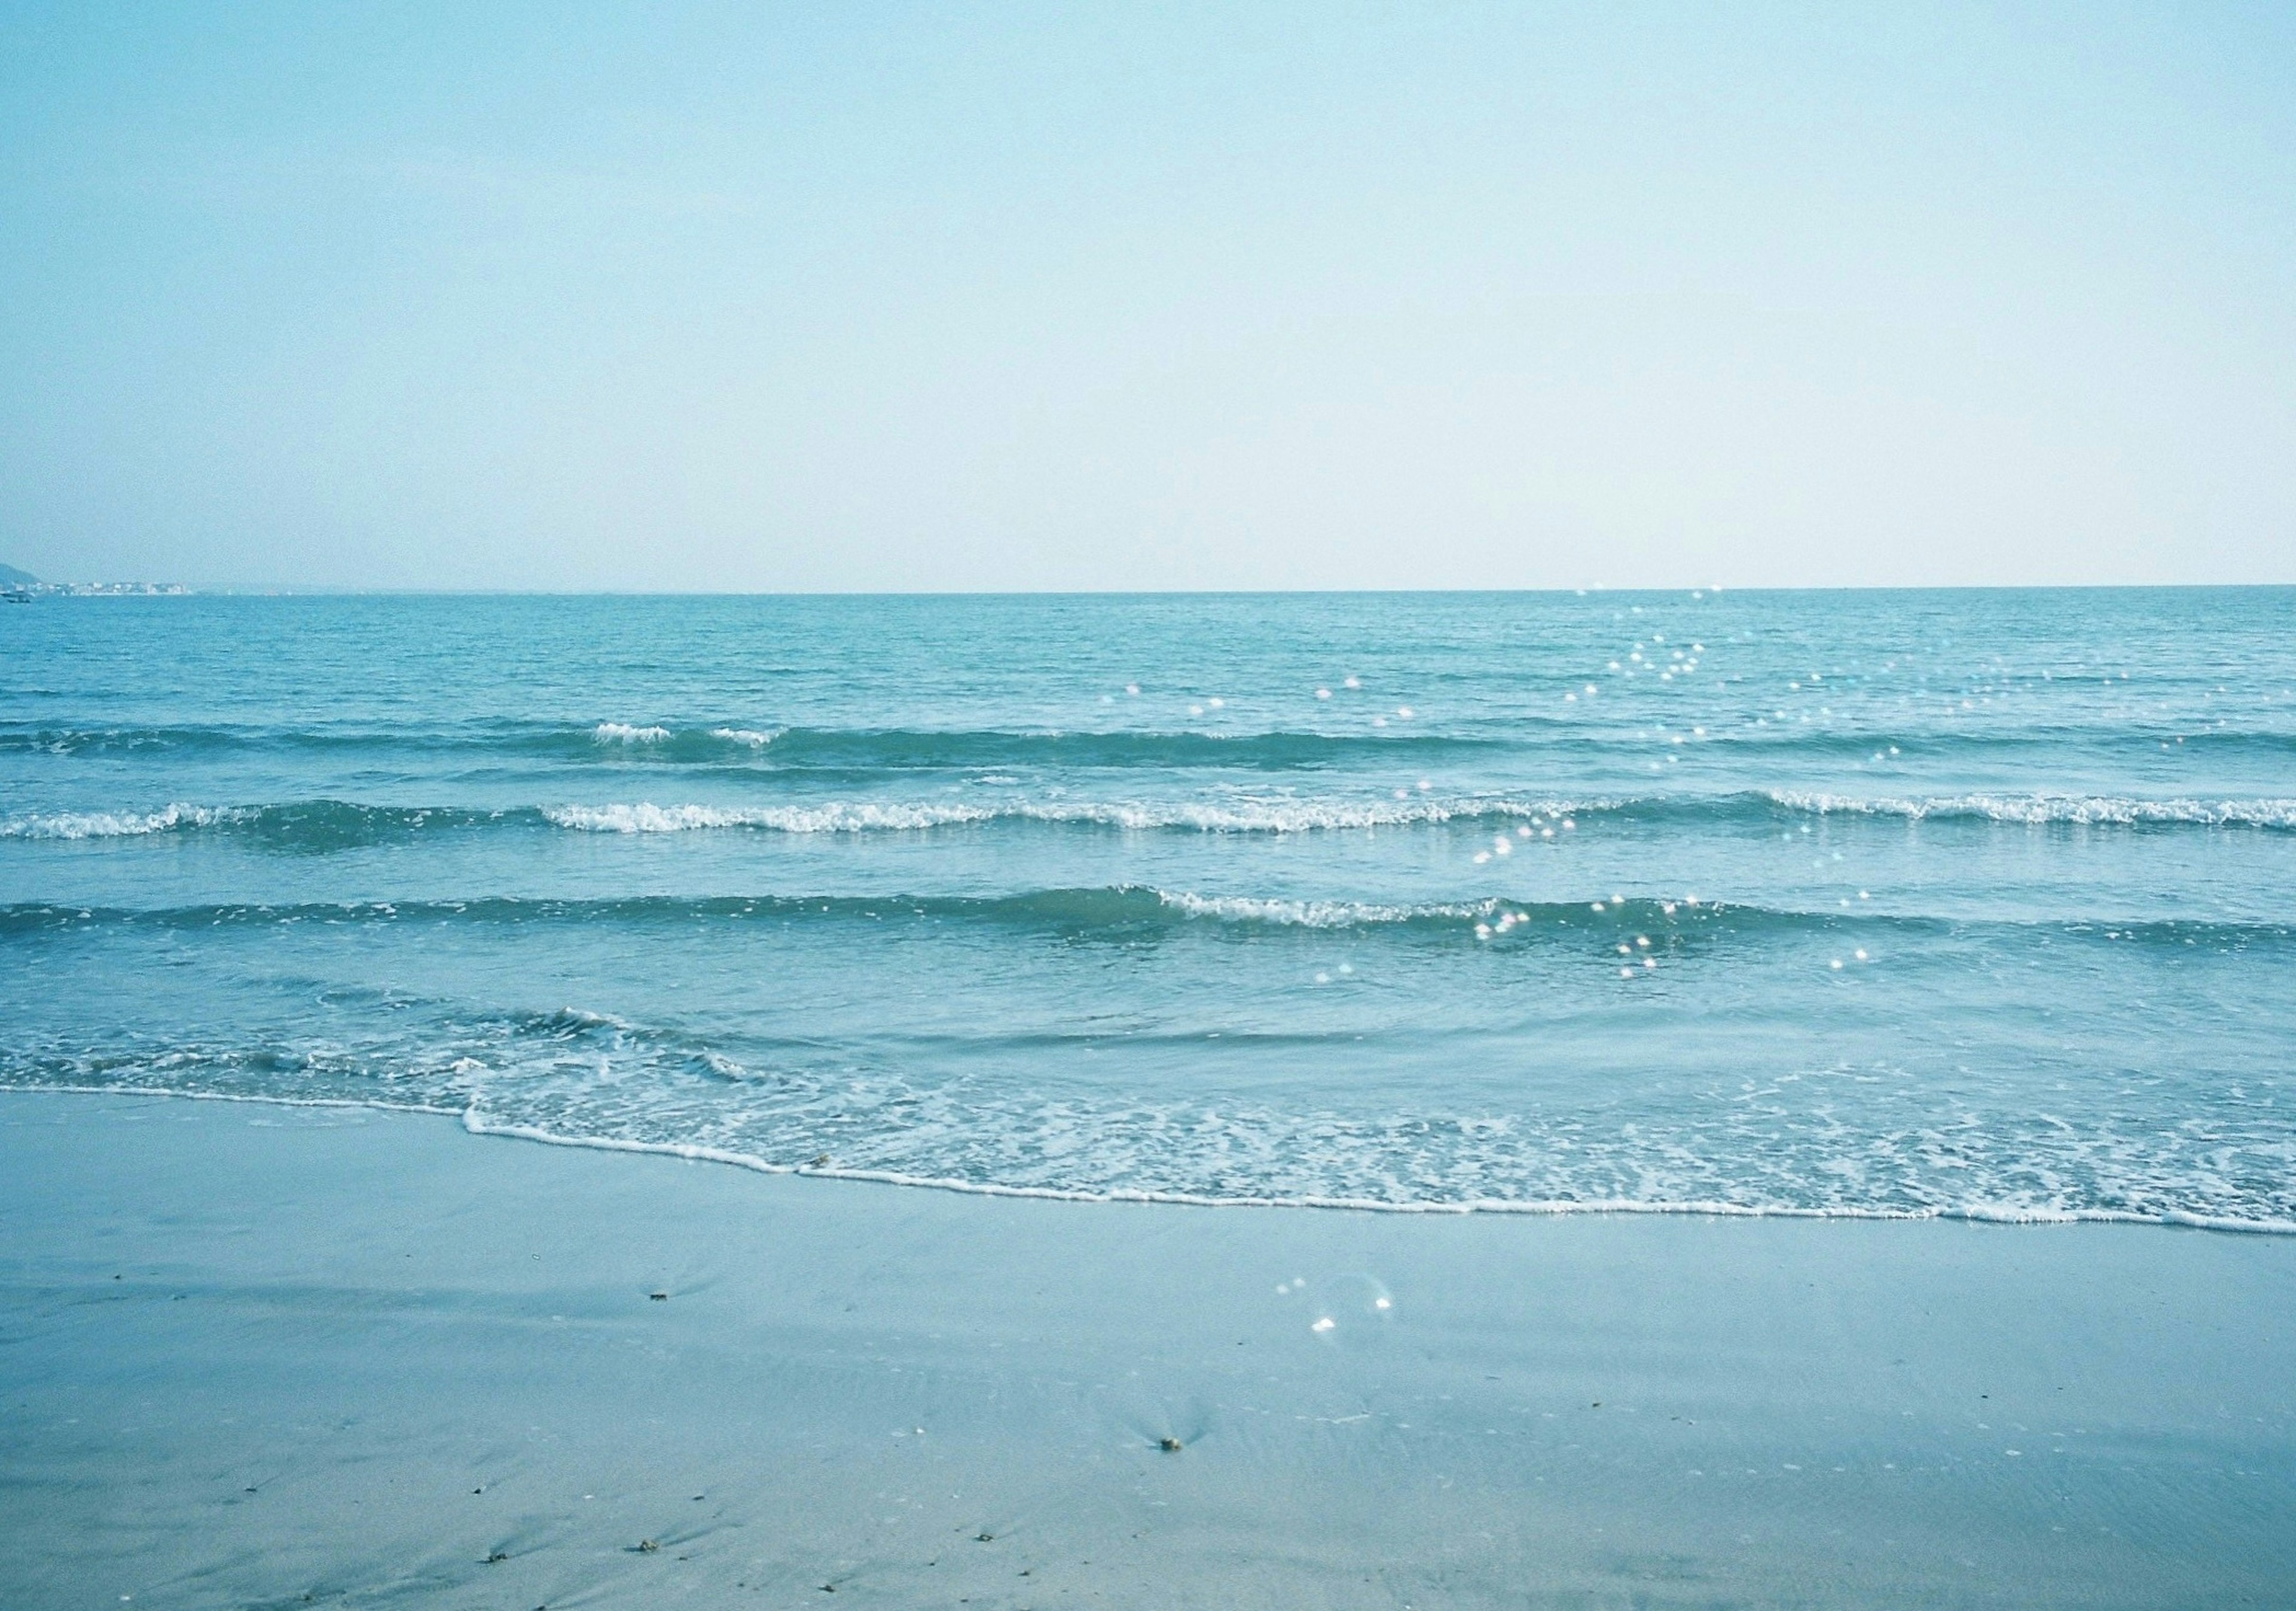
(258, 1355)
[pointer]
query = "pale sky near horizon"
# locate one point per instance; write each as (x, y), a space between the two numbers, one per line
(1019, 297)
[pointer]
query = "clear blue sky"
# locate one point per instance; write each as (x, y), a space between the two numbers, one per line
(1012, 297)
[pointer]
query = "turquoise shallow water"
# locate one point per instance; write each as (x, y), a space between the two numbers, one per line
(1978, 903)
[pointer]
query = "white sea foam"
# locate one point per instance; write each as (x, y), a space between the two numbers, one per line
(522, 1082)
(743, 735)
(1313, 914)
(2105, 810)
(622, 732)
(1230, 816)
(832, 818)
(115, 824)
(482, 1124)
(1262, 816)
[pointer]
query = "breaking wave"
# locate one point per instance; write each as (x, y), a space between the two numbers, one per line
(118, 825)
(322, 824)
(2114, 810)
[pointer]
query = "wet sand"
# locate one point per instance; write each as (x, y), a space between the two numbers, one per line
(254, 1355)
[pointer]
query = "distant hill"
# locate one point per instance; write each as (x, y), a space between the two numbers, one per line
(10, 576)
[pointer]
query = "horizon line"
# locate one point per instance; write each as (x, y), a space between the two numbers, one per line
(319, 589)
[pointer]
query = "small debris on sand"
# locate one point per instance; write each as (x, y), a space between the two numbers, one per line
(645, 1546)
(658, 1298)
(498, 1555)
(1170, 1446)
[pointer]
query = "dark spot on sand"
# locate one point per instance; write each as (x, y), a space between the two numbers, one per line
(986, 1538)
(645, 1546)
(1170, 1446)
(658, 1298)
(498, 1555)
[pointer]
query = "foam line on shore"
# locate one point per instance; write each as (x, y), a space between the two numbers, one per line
(1973, 1213)
(477, 1125)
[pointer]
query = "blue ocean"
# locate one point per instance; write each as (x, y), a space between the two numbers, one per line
(1958, 902)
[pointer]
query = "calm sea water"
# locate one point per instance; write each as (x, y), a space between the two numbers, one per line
(1972, 903)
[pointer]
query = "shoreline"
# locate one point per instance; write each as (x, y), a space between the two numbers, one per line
(421, 1355)
(1975, 1214)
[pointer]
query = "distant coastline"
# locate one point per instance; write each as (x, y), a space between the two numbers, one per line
(21, 585)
